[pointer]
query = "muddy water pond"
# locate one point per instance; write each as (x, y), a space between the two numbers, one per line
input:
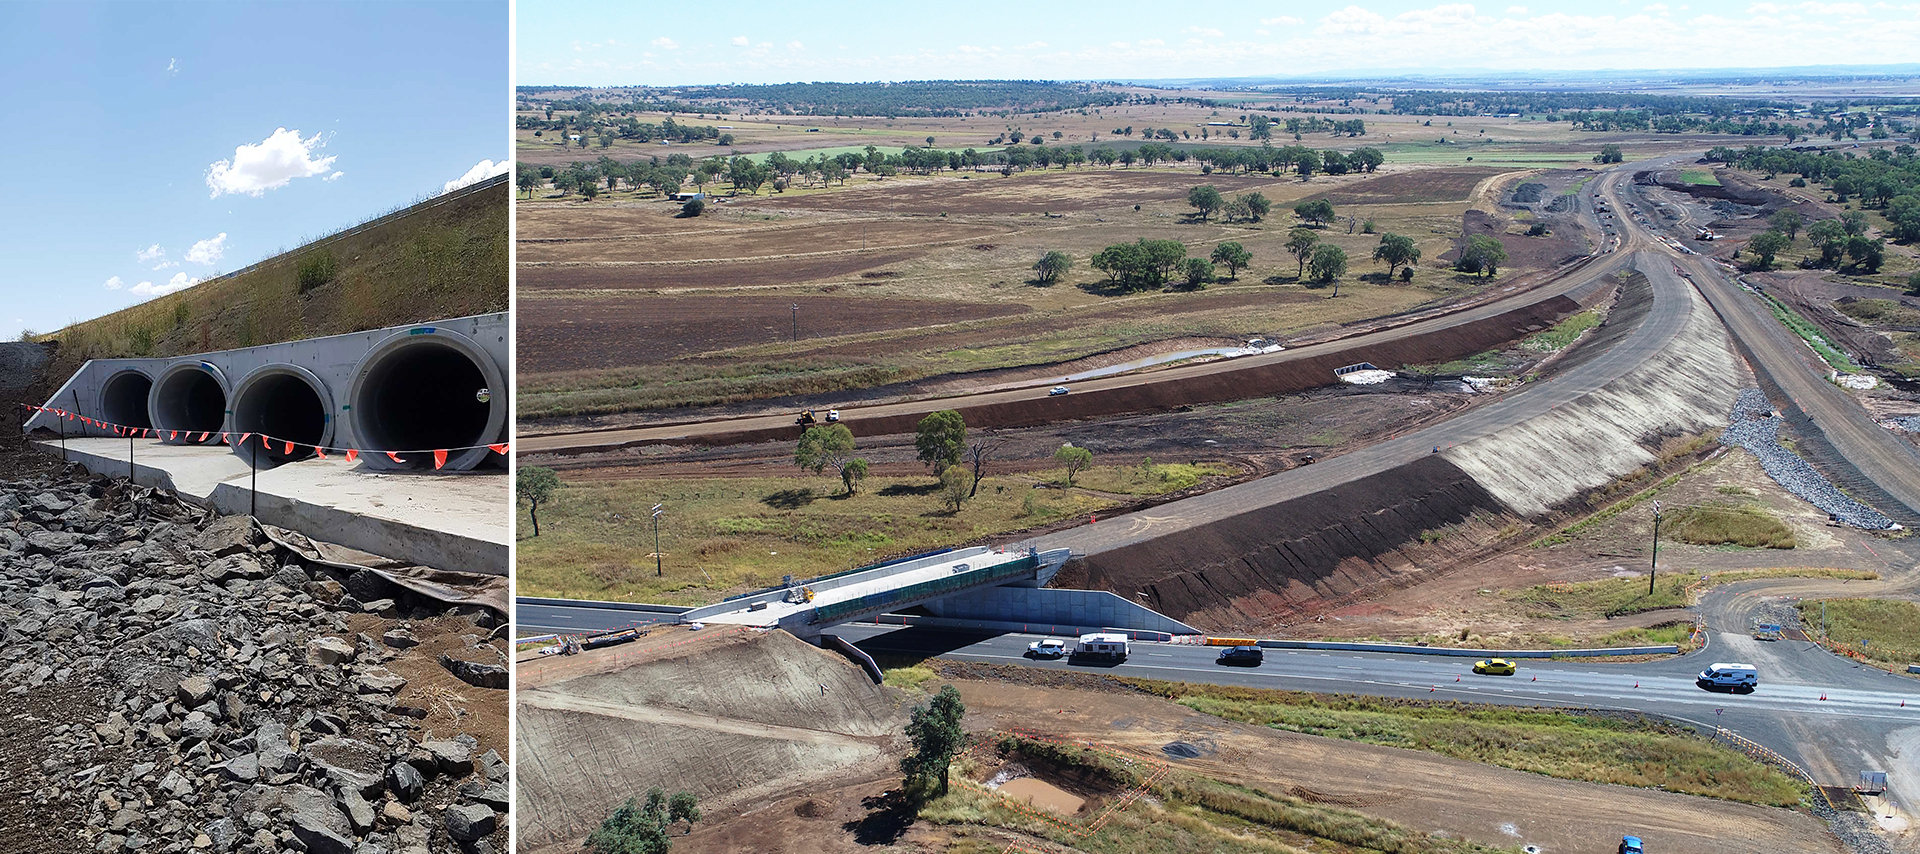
(1042, 794)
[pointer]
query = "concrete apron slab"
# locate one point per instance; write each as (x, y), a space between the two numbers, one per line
(452, 522)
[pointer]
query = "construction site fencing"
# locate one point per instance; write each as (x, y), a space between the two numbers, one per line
(924, 590)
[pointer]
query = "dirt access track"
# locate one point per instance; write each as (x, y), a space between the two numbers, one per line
(1486, 804)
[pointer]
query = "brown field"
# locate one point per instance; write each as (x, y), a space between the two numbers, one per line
(1053, 190)
(1412, 187)
(585, 333)
(767, 244)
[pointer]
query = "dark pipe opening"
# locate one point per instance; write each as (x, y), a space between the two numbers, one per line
(421, 398)
(123, 400)
(192, 401)
(284, 407)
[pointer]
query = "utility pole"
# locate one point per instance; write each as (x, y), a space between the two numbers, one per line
(1655, 567)
(795, 316)
(658, 509)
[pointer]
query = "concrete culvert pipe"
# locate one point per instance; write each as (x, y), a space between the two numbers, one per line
(123, 399)
(189, 397)
(287, 403)
(425, 389)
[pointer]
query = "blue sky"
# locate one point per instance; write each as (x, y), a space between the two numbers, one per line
(616, 42)
(156, 144)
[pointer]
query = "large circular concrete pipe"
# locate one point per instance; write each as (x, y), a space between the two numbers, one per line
(123, 399)
(189, 397)
(287, 403)
(424, 389)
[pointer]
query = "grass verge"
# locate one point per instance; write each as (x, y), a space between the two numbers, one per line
(1741, 526)
(1810, 333)
(1564, 332)
(1613, 597)
(1882, 630)
(1181, 813)
(1625, 750)
(728, 535)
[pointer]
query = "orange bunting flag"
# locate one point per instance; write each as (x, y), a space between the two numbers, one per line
(223, 438)
(244, 437)
(320, 452)
(395, 457)
(289, 449)
(203, 436)
(352, 455)
(266, 442)
(173, 435)
(500, 449)
(439, 459)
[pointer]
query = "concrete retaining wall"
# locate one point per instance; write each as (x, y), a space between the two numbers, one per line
(1029, 605)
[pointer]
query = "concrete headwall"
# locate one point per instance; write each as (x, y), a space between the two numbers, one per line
(326, 377)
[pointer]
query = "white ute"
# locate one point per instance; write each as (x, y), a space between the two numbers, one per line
(1047, 648)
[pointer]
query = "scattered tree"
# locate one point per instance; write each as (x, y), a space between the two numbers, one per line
(693, 207)
(1077, 459)
(826, 446)
(1396, 250)
(979, 453)
(1483, 255)
(956, 486)
(1255, 205)
(936, 734)
(1866, 255)
(1317, 212)
(638, 829)
(1830, 237)
(1300, 243)
(1787, 221)
(1329, 262)
(941, 439)
(1233, 256)
(1609, 153)
(536, 485)
(1198, 272)
(1206, 199)
(1765, 246)
(1913, 284)
(853, 473)
(1052, 266)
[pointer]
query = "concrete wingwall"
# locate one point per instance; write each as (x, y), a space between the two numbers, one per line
(1544, 462)
(403, 388)
(1055, 607)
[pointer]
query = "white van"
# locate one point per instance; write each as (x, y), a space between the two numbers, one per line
(1726, 675)
(1111, 645)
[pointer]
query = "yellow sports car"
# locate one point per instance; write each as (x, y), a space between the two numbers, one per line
(1495, 667)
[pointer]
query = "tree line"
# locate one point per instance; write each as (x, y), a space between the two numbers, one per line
(1886, 179)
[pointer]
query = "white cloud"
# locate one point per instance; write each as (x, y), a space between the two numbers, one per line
(795, 46)
(665, 43)
(1261, 32)
(152, 255)
(1031, 46)
(1282, 21)
(173, 66)
(1657, 9)
(115, 284)
(481, 171)
(1516, 10)
(272, 163)
(334, 177)
(1206, 31)
(208, 251)
(740, 41)
(179, 282)
(1352, 20)
(1152, 43)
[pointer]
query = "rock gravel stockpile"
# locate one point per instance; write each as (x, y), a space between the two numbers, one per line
(1908, 423)
(1756, 428)
(176, 683)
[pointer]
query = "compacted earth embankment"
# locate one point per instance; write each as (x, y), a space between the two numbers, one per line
(178, 683)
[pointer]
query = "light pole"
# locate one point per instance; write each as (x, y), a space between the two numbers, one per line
(1655, 567)
(657, 510)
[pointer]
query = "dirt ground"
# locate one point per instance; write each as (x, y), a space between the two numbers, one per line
(607, 331)
(1489, 805)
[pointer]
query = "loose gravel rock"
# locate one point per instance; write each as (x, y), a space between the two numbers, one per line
(177, 683)
(1755, 427)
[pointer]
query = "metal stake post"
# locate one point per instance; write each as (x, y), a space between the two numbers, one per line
(1655, 567)
(795, 316)
(129, 459)
(253, 481)
(658, 572)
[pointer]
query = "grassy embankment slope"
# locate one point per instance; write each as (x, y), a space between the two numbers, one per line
(435, 261)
